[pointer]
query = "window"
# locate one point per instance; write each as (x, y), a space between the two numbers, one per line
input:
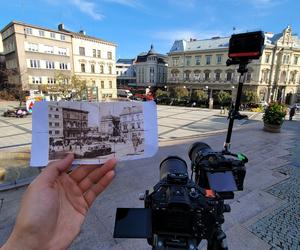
(109, 55)
(101, 69)
(188, 60)
(93, 68)
(56, 124)
(94, 53)
(35, 63)
(51, 80)
(110, 84)
(82, 67)
(206, 76)
(110, 69)
(56, 132)
(36, 79)
(49, 65)
(229, 76)
(267, 58)
(56, 116)
(63, 65)
(218, 76)
(102, 84)
(187, 75)
(50, 132)
(82, 51)
(219, 59)
(62, 37)
(33, 47)
(296, 60)
(99, 53)
(175, 61)
(62, 51)
(28, 31)
(41, 33)
(197, 60)
(52, 35)
(48, 49)
(208, 59)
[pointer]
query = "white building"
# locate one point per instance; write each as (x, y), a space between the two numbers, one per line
(55, 122)
(200, 64)
(151, 69)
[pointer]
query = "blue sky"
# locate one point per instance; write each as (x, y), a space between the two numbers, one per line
(136, 24)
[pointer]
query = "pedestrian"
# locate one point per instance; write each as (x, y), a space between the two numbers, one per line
(292, 112)
(135, 142)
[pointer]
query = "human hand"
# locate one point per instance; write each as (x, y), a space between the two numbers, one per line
(55, 204)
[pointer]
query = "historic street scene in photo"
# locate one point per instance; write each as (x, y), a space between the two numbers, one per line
(94, 130)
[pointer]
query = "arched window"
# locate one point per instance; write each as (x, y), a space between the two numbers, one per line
(110, 69)
(187, 75)
(197, 75)
(218, 75)
(93, 68)
(101, 69)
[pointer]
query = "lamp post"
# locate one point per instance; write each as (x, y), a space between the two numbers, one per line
(211, 100)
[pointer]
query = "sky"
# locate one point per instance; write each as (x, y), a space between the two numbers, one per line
(136, 24)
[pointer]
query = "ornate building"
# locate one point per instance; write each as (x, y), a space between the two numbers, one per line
(151, 69)
(201, 64)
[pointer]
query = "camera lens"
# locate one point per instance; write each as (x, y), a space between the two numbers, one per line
(172, 165)
(198, 148)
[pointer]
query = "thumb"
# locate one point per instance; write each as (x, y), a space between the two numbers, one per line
(54, 169)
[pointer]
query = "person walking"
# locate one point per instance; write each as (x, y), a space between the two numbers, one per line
(292, 112)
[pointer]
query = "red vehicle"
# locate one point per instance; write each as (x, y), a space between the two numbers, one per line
(139, 93)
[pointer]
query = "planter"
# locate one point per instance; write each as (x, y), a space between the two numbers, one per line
(272, 128)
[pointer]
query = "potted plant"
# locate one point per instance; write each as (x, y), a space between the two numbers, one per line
(274, 117)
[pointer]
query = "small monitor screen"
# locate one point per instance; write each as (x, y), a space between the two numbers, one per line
(222, 181)
(133, 223)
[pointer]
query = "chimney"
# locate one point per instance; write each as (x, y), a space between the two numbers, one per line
(82, 32)
(61, 27)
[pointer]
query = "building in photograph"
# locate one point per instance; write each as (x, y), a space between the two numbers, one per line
(201, 64)
(55, 123)
(75, 125)
(110, 126)
(42, 56)
(151, 69)
(132, 122)
(126, 76)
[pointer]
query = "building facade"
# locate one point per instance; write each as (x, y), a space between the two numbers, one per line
(201, 64)
(132, 122)
(126, 75)
(41, 56)
(151, 69)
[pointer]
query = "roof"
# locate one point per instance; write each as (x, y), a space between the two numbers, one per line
(217, 43)
(207, 44)
(131, 110)
(125, 61)
(75, 110)
(142, 57)
(62, 31)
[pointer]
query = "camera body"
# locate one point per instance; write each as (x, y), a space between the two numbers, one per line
(216, 171)
(182, 212)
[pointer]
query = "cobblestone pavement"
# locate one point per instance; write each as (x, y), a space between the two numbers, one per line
(281, 228)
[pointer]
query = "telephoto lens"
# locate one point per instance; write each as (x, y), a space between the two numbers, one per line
(197, 150)
(173, 167)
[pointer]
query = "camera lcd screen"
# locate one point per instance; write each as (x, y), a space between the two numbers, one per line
(222, 181)
(133, 223)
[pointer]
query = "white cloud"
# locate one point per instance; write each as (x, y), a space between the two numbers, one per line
(185, 3)
(129, 3)
(88, 8)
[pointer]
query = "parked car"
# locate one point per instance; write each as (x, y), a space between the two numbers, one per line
(17, 112)
(125, 93)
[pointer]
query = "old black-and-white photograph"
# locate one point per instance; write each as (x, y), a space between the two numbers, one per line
(95, 130)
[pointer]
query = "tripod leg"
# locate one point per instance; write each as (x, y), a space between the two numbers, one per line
(218, 241)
